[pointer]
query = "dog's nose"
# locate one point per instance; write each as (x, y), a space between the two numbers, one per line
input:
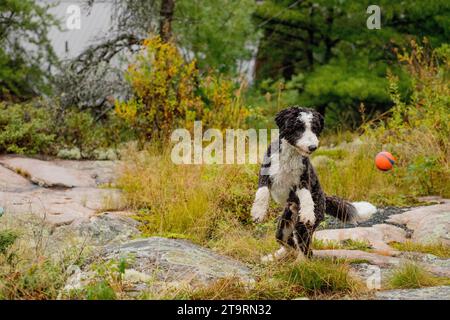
(312, 148)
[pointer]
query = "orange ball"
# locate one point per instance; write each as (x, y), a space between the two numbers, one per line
(384, 161)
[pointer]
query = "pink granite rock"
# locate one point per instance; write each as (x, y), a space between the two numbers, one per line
(430, 223)
(372, 258)
(11, 181)
(378, 236)
(46, 174)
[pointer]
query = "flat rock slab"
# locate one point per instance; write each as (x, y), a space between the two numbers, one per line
(61, 206)
(378, 236)
(103, 172)
(47, 174)
(431, 293)
(371, 258)
(431, 224)
(13, 182)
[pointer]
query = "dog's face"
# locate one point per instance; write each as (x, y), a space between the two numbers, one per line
(300, 127)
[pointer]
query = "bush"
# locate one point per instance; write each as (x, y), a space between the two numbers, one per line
(418, 131)
(25, 129)
(39, 127)
(169, 93)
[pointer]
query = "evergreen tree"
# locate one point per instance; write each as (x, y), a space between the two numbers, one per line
(25, 51)
(335, 61)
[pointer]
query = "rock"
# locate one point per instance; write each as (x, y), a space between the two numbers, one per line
(431, 224)
(431, 293)
(107, 228)
(438, 267)
(61, 207)
(365, 210)
(10, 181)
(378, 236)
(372, 258)
(165, 261)
(103, 172)
(179, 259)
(47, 174)
(375, 277)
(435, 265)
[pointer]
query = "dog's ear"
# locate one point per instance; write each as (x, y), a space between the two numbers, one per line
(320, 120)
(283, 116)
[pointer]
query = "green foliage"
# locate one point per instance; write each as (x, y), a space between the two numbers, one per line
(7, 239)
(25, 129)
(100, 291)
(218, 32)
(333, 61)
(24, 23)
(426, 119)
(37, 128)
(80, 130)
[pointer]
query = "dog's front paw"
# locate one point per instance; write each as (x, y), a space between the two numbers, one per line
(308, 218)
(258, 214)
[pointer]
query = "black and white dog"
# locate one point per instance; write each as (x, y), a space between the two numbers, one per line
(288, 176)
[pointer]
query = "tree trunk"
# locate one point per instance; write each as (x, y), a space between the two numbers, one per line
(165, 25)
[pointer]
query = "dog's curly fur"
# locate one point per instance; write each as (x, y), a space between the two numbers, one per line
(289, 177)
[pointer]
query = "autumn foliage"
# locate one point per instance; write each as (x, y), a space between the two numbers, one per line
(168, 93)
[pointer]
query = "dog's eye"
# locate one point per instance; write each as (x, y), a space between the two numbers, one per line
(315, 127)
(299, 126)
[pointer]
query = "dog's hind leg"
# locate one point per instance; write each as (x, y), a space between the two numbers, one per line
(285, 229)
(302, 237)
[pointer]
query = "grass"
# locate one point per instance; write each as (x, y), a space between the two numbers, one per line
(348, 244)
(316, 279)
(438, 249)
(191, 200)
(413, 276)
(28, 268)
(320, 277)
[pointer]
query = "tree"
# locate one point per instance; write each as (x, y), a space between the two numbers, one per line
(217, 33)
(214, 33)
(26, 55)
(165, 26)
(335, 61)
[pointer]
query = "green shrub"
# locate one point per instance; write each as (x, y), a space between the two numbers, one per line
(7, 239)
(100, 291)
(418, 132)
(25, 129)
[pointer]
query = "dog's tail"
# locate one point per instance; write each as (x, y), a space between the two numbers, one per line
(349, 212)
